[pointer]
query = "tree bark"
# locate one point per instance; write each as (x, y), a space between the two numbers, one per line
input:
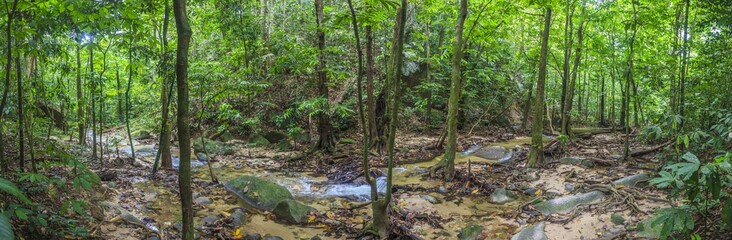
(79, 98)
(8, 70)
(184, 134)
(370, 72)
(128, 105)
(536, 154)
(21, 143)
(326, 140)
(568, 41)
(166, 83)
(455, 93)
(566, 114)
(628, 80)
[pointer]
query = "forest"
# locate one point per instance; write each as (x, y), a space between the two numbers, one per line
(366, 119)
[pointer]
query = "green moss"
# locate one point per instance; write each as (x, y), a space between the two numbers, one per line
(473, 232)
(259, 193)
(292, 211)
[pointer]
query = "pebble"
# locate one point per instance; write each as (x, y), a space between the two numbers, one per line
(202, 201)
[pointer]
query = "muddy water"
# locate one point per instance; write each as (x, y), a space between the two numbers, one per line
(162, 209)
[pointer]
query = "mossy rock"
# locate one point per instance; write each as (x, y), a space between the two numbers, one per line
(535, 232)
(212, 147)
(292, 211)
(284, 145)
(258, 141)
(473, 232)
(226, 136)
(646, 228)
(141, 134)
(617, 219)
(632, 180)
(259, 193)
(275, 136)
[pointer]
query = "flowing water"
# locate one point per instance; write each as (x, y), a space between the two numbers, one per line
(162, 209)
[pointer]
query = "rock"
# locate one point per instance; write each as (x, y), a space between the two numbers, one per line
(316, 237)
(473, 232)
(569, 187)
(532, 191)
(226, 136)
(253, 236)
(275, 136)
(292, 211)
(535, 232)
(212, 147)
(646, 228)
(430, 199)
(209, 220)
(258, 141)
(577, 161)
(613, 233)
(347, 141)
(153, 238)
(259, 193)
(268, 237)
(493, 153)
(141, 134)
(238, 218)
(617, 219)
(442, 189)
(566, 204)
(284, 145)
(632, 180)
(202, 201)
(501, 196)
(201, 157)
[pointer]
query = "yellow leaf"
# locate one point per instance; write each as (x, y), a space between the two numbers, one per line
(311, 219)
(475, 191)
(238, 233)
(402, 204)
(538, 192)
(330, 214)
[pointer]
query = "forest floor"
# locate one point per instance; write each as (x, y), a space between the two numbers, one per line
(582, 191)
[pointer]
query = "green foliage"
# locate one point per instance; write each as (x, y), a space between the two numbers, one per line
(10, 188)
(6, 229)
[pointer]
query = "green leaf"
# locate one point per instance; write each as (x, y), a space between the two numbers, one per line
(10, 188)
(6, 230)
(727, 212)
(690, 157)
(20, 213)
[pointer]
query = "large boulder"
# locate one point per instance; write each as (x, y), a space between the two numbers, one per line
(258, 141)
(292, 211)
(497, 153)
(259, 193)
(204, 145)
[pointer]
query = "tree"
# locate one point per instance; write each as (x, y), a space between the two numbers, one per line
(629, 80)
(536, 153)
(326, 140)
(455, 93)
(6, 87)
(184, 134)
(566, 118)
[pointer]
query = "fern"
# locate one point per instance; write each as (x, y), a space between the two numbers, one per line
(10, 188)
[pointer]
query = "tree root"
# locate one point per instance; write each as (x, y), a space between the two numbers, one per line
(624, 195)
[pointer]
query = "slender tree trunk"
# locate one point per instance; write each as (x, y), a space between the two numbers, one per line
(601, 109)
(380, 222)
(184, 134)
(120, 113)
(676, 70)
(568, 41)
(79, 98)
(8, 70)
(167, 160)
(628, 81)
(685, 50)
(455, 93)
(93, 101)
(21, 143)
(566, 118)
(326, 139)
(370, 72)
(536, 154)
(128, 105)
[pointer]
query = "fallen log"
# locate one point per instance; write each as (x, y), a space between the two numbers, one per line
(650, 150)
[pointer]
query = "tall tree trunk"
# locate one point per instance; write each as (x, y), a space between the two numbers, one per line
(677, 30)
(455, 93)
(79, 98)
(566, 118)
(120, 113)
(128, 105)
(370, 72)
(184, 134)
(21, 143)
(536, 154)
(601, 108)
(166, 83)
(8, 70)
(93, 101)
(428, 80)
(326, 139)
(568, 41)
(685, 51)
(380, 222)
(628, 81)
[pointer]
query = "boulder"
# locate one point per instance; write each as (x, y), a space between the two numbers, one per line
(258, 141)
(202, 201)
(202, 157)
(473, 232)
(292, 211)
(204, 145)
(501, 196)
(209, 220)
(493, 153)
(238, 218)
(141, 134)
(568, 203)
(253, 236)
(259, 193)
(275, 136)
(535, 232)
(284, 145)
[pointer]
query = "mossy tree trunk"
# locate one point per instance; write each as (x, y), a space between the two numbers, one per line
(455, 93)
(165, 95)
(184, 134)
(326, 139)
(6, 87)
(536, 154)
